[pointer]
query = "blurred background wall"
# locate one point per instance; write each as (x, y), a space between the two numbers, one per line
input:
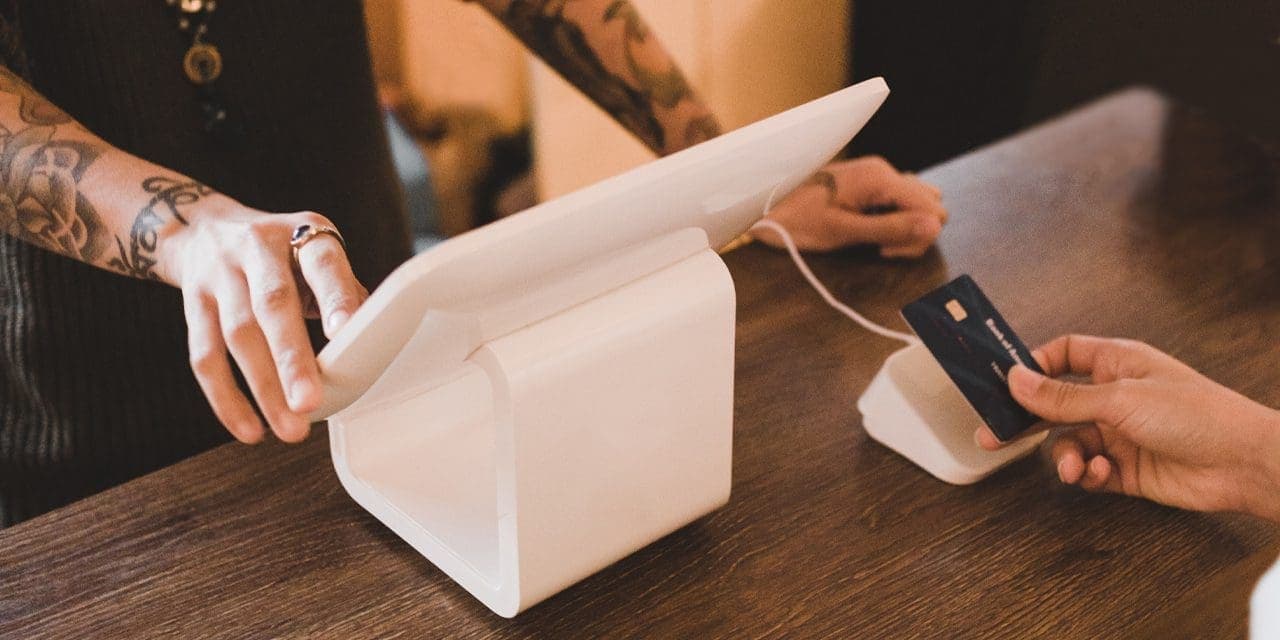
(478, 105)
(966, 73)
(499, 131)
(749, 59)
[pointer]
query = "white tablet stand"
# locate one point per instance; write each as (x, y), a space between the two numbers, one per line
(913, 408)
(530, 402)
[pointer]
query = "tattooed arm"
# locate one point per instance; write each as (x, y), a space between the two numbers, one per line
(44, 158)
(605, 49)
(66, 190)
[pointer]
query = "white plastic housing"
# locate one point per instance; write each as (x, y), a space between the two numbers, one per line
(563, 446)
(527, 403)
(913, 408)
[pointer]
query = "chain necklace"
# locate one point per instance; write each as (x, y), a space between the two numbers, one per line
(202, 65)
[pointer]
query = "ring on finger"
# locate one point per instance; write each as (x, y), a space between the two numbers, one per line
(304, 233)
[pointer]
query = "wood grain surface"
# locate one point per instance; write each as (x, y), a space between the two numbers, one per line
(1129, 217)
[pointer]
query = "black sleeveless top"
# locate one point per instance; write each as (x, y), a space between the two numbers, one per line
(95, 388)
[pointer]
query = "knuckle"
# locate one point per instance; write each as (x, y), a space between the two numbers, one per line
(837, 166)
(341, 300)
(329, 259)
(1120, 355)
(910, 230)
(1121, 345)
(1140, 348)
(1129, 346)
(238, 235)
(274, 297)
(204, 360)
(289, 362)
(877, 162)
(260, 230)
(239, 326)
(1074, 342)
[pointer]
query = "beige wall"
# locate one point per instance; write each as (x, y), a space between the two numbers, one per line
(450, 54)
(748, 58)
(385, 39)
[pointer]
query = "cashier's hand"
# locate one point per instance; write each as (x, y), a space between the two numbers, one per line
(244, 296)
(1148, 425)
(861, 201)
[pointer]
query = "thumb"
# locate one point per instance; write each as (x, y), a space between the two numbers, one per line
(1057, 401)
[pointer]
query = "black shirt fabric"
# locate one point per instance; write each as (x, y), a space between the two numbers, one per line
(95, 387)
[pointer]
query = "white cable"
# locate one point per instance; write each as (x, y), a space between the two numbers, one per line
(822, 291)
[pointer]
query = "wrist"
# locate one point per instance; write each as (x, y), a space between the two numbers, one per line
(182, 215)
(148, 213)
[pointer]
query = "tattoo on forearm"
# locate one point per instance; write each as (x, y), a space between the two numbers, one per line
(169, 195)
(636, 102)
(701, 129)
(667, 87)
(827, 181)
(40, 198)
(563, 45)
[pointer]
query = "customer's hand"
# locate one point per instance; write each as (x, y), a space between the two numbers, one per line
(861, 201)
(243, 294)
(1148, 425)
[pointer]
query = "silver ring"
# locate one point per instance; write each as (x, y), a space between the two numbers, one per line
(304, 233)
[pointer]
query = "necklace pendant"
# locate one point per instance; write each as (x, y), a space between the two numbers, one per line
(202, 64)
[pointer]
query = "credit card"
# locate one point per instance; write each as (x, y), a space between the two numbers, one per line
(976, 348)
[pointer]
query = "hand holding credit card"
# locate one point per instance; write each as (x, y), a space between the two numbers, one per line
(976, 348)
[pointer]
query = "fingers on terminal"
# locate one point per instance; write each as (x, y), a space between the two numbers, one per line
(277, 306)
(212, 368)
(327, 272)
(249, 346)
